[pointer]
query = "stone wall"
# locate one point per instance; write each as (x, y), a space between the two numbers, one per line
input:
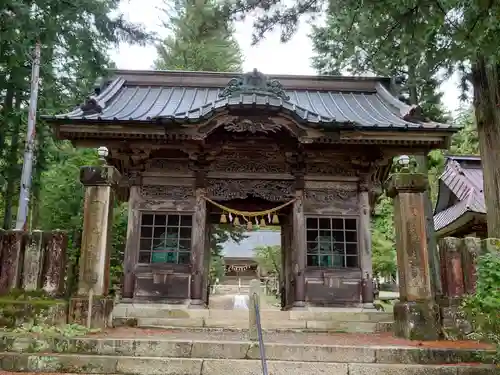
(458, 260)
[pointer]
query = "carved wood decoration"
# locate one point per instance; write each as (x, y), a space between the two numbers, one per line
(270, 190)
(249, 162)
(336, 195)
(250, 124)
(169, 165)
(331, 169)
(164, 192)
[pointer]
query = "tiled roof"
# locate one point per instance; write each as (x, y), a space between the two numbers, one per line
(463, 176)
(244, 249)
(148, 101)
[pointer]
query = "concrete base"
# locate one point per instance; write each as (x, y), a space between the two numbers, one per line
(417, 320)
(197, 304)
(299, 305)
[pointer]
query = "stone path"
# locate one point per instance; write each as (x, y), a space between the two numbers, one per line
(343, 339)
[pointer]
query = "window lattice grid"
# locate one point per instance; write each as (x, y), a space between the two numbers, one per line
(332, 242)
(165, 238)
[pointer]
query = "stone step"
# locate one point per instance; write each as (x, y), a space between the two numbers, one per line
(124, 310)
(310, 325)
(162, 347)
(111, 364)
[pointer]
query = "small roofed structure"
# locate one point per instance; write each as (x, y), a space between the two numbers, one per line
(460, 209)
(239, 258)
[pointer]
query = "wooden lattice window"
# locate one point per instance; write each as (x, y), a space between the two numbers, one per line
(332, 242)
(165, 238)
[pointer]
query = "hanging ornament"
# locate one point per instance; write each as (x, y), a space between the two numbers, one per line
(223, 218)
(256, 221)
(230, 218)
(269, 218)
(236, 221)
(249, 225)
(262, 222)
(275, 219)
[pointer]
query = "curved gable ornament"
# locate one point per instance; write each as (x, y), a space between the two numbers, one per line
(254, 125)
(254, 82)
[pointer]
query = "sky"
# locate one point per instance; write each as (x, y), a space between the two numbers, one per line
(270, 56)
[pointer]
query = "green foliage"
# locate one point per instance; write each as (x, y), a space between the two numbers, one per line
(482, 309)
(269, 259)
(67, 330)
(75, 38)
(201, 39)
(383, 246)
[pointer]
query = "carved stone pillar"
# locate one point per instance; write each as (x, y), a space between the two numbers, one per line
(299, 249)
(92, 305)
(416, 315)
(365, 245)
(133, 228)
(97, 220)
(198, 248)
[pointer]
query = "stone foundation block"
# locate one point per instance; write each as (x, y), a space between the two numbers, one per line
(14, 313)
(453, 321)
(100, 311)
(417, 320)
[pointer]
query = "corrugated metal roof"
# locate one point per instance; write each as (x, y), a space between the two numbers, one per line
(244, 249)
(464, 177)
(121, 101)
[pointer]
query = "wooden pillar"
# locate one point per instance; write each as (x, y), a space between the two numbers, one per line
(287, 263)
(198, 248)
(133, 232)
(365, 245)
(416, 314)
(97, 221)
(299, 249)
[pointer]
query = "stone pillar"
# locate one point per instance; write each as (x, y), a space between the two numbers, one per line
(365, 246)
(33, 261)
(452, 279)
(416, 314)
(97, 222)
(198, 248)
(299, 249)
(56, 244)
(92, 306)
(12, 248)
(469, 251)
(430, 230)
(452, 282)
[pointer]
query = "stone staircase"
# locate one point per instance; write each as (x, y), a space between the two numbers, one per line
(347, 320)
(154, 352)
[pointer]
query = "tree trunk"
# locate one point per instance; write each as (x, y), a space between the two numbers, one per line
(486, 84)
(12, 171)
